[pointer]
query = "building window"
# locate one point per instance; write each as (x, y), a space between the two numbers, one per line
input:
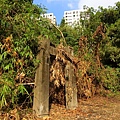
(73, 15)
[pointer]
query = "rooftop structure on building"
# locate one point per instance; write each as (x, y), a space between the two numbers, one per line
(72, 16)
(50, 16)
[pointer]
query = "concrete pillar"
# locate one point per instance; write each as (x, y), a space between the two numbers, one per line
(70, 87)
(41, 89)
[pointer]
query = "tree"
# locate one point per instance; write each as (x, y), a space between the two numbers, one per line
(62, 24)
(108, 48)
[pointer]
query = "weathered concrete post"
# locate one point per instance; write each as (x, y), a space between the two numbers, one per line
(41, 89)
(70, 87)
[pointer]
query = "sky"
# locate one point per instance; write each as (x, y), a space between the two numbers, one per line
(57, 7)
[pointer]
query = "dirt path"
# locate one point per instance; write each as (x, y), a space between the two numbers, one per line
(97, 108)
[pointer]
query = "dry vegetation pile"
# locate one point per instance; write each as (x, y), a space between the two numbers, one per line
(58, 74)
(86, 85)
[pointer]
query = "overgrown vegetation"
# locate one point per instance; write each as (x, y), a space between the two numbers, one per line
(107, 72)
(21, 29)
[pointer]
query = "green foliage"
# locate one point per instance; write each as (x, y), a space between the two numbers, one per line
(109, 50)
(21, 28)
(110, 79)
(111, 53)
(71, 35)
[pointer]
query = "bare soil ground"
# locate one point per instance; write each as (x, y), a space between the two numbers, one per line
(96, 108)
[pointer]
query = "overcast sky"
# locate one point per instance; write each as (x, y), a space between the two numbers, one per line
(57, 7)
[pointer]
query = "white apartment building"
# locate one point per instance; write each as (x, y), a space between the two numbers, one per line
(72, 16)
(50, 16)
